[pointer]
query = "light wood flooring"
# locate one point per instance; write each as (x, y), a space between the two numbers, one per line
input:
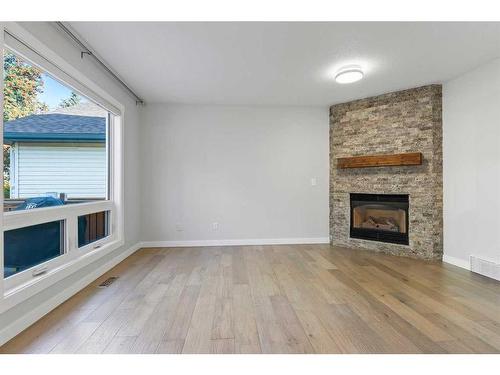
(273, 299)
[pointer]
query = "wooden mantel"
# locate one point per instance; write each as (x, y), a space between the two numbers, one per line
(410, 158)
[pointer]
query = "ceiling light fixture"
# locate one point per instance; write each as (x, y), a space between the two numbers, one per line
(349, 74)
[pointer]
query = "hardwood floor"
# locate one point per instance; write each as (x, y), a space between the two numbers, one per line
(273, 299)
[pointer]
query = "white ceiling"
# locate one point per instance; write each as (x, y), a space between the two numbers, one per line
(285, 63)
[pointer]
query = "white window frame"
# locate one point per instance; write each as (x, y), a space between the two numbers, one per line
(23, 285)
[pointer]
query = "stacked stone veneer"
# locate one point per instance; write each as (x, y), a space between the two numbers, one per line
(404, 121)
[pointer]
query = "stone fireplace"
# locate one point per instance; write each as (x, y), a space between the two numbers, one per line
(393, 209)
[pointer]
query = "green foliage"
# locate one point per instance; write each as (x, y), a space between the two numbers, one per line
(22, 84)
(6, 189)
(6, 165)
(74, 99)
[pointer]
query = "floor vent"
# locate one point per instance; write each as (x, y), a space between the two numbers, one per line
(107, 282)
(485, 267)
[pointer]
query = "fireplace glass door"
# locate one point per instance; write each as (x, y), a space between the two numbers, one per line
(380, 217)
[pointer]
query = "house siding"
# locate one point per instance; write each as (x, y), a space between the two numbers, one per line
(78, 170)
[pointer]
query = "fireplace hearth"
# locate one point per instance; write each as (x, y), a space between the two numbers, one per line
(380, 217)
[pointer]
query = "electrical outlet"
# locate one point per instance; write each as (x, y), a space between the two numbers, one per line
(215, 226)
(179, 227)
(314, 182)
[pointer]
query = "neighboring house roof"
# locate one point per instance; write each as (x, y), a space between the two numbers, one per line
(84, 122)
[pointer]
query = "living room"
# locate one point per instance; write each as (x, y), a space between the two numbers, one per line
(319, 187)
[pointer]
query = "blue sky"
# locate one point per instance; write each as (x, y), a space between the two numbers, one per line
(53, 92)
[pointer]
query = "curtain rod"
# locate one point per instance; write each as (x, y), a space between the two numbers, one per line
(85, 50)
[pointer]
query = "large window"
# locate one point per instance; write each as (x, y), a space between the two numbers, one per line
(54, 143)
(57, 167)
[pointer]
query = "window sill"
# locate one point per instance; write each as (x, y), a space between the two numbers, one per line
(27, 290)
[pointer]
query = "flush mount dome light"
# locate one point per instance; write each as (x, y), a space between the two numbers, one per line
(349, 74)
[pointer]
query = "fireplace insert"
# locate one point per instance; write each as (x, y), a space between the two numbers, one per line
(380, 217)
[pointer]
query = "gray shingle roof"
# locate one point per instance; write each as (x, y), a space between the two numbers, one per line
(80, 123)
(82, 109)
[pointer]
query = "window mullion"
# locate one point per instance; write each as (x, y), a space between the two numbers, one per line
(71, 234)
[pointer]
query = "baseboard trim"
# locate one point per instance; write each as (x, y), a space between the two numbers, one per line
(240, 242)
(456, 262)
(37, 313)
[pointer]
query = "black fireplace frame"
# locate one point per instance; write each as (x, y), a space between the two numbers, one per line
(399, 200)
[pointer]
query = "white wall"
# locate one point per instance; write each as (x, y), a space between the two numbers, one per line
(77, 170)
(471, 165)
(248, 169)
(14, 318)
